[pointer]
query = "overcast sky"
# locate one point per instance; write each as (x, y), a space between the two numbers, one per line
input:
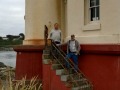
(12, 17)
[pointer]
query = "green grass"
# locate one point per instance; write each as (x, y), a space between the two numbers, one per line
(10, 42)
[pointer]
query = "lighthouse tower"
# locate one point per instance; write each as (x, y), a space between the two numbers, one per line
(96, 25)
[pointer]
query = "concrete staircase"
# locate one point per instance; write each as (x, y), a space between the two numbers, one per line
(71, 79)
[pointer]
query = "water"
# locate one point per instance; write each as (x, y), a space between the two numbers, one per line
(8, 58)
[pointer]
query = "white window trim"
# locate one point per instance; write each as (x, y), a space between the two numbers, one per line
(91, 25)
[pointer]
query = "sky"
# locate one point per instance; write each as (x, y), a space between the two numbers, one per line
(12, 17)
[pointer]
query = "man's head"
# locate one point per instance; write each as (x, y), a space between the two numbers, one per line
(73, 37)
(56, 26)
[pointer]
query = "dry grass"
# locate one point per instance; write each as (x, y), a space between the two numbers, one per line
(33, 84)
(6, 83)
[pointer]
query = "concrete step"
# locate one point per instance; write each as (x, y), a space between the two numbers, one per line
(48, 47)
(61, 72)
(77, 76)
(75, 83)
(46, 51)
(64, 71)
(54, 61)
(46, 56)
(83, 87)
(56, 66)
(46, 61)
(79, 82)
(65, 78)
(70, 77)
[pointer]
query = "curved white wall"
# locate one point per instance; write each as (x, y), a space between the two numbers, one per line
(39, 13)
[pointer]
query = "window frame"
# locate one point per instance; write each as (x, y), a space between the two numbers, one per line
(88, 24)
(95, 12)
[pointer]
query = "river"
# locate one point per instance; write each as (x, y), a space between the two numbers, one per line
(8, 58)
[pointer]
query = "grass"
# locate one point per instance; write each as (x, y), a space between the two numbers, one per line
(7, 82)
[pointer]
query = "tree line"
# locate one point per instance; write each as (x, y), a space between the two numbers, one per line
(12, 39)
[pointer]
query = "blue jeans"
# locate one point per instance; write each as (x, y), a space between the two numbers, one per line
(74, 59)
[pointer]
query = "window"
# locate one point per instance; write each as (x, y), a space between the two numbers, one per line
(94, 10)
(91, 15)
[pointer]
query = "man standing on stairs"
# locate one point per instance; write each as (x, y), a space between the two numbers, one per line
(73, 49)
(55, 34)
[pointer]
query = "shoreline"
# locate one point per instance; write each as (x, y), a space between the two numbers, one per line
(6, 49)
(8, 57)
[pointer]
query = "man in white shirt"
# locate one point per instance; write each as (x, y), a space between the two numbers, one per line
(55, 34)
(73, 49)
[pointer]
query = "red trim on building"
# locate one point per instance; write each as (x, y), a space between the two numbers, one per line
(28, 61)
(100, 64)
(109, 49)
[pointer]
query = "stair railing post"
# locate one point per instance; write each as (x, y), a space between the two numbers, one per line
(46, 36)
